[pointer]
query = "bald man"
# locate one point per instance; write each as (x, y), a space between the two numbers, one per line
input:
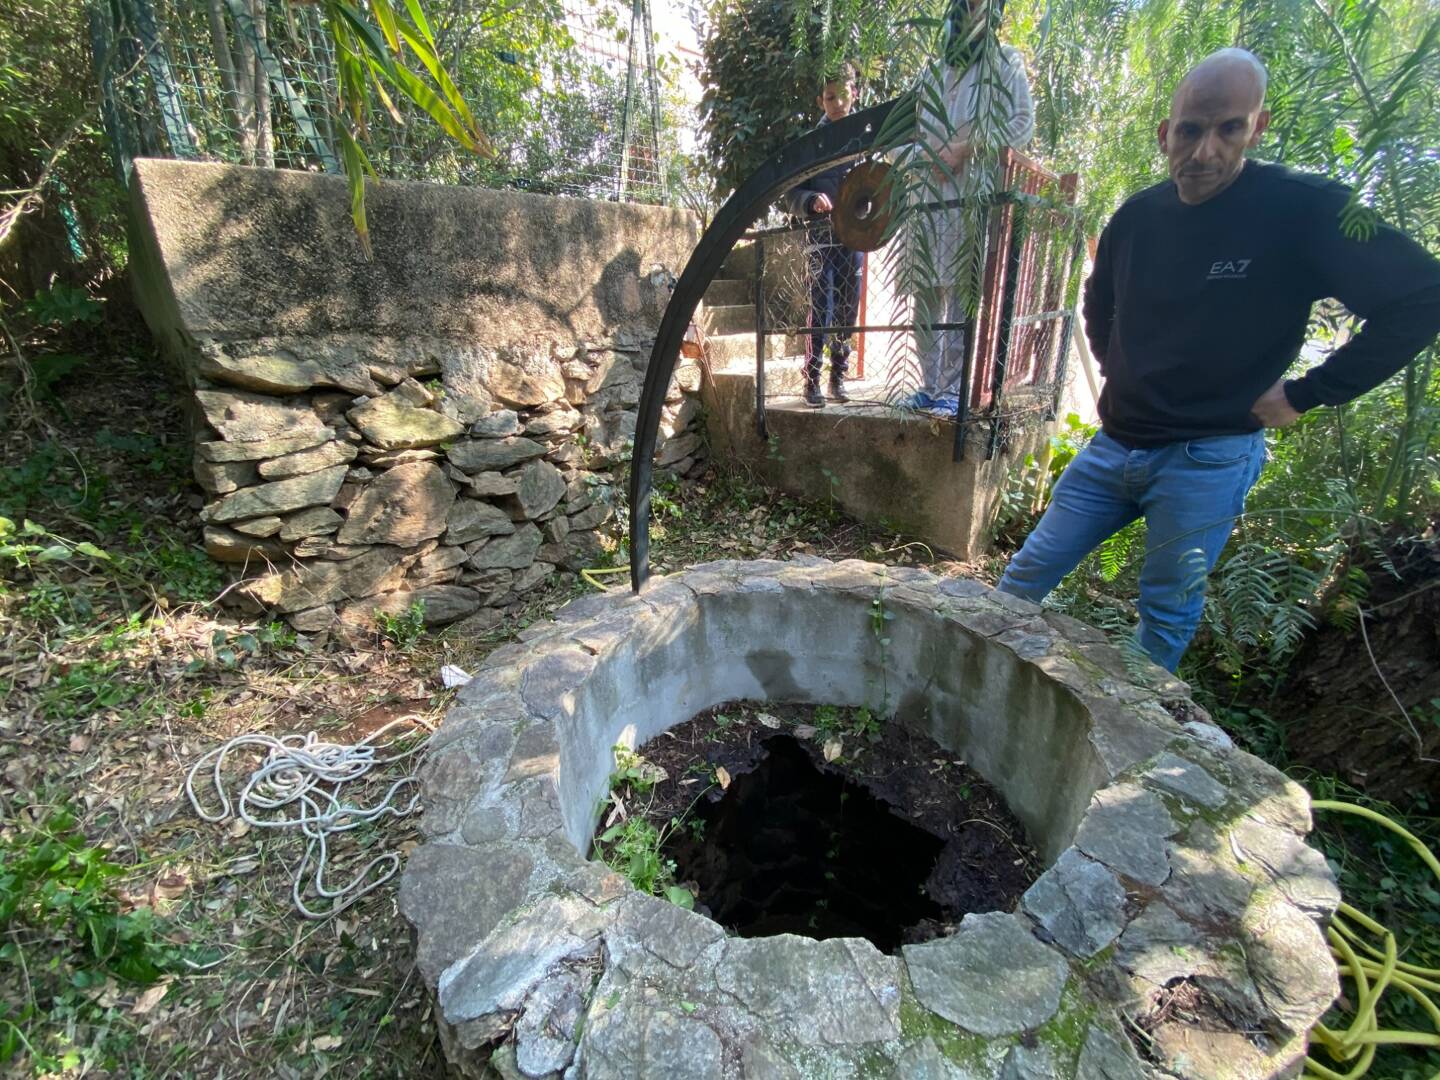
(1197, 308)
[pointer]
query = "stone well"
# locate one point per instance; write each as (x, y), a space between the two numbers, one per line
(1178, 871)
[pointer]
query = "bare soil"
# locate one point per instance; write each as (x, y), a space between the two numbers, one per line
(1339, 703)
(971, 854)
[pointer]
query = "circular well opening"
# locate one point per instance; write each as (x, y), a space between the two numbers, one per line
(813, 820)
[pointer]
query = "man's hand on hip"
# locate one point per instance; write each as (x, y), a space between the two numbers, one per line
(1273, 408)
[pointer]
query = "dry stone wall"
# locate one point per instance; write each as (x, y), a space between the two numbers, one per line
(441, 424)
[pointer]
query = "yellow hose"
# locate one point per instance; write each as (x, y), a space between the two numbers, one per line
(591, 573)
(1373, 971)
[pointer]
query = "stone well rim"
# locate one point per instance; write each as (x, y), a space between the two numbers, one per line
(492, 796)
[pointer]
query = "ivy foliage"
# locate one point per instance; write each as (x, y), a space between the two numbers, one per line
(764, 63)
(63, 935)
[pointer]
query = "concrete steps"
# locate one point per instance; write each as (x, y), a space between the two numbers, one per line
(740, 263)
(737, 351)
(782, 377)
(731, 318)
(724, 291)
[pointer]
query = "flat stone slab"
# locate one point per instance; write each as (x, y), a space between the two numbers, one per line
(838, 992)
(1187, 780)
(991, 977)
(1126, 830)
(1080, 902)
(648, 1036)
(1173, 855)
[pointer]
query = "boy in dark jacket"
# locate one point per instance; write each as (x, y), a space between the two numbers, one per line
(833, 270)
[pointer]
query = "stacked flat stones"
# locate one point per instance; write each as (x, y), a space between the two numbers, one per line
(1179, 865)
(350, 478)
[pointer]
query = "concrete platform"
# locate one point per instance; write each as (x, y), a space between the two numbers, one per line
(881, 465)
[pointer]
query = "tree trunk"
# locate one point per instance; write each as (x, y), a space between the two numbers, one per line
(264, 134)
(245, 65)
(225, 64)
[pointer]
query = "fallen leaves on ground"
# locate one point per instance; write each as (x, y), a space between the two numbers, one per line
(109, 693)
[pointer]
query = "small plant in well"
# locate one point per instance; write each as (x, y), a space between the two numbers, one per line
(828, 721)
(405, 629)
(634, 772)
(865, 725)
(833, 725)
(833, 722)
(880, 619)
(832, 491)
(632, 848)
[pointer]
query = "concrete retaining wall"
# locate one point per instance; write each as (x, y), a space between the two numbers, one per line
(433, 424)
(875, 462)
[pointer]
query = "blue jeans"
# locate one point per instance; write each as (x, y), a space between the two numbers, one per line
(1189, 494)
(835, 282)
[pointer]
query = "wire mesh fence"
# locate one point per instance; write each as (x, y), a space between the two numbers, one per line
(568, 91)
(997, 361)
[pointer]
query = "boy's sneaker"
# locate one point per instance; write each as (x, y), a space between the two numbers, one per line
(837, 387)
(813, 397)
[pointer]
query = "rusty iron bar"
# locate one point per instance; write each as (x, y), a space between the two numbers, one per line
(1007, 311)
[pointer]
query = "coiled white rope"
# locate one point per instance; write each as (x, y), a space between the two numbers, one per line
(298, 785)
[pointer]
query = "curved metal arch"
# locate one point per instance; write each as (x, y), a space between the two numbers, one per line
(799, 160)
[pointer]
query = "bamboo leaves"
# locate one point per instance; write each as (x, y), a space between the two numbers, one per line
(371, 58)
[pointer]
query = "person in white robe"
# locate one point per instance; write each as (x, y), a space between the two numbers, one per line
(971, 103)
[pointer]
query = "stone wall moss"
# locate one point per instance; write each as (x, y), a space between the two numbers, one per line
(1064, 1033)
(957, 1045)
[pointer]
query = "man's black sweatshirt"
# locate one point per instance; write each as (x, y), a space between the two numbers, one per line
(1193, 312)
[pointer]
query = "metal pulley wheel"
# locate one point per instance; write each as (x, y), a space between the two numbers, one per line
(862, 207)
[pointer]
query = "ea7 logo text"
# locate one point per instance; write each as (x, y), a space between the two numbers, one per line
(1228, 268)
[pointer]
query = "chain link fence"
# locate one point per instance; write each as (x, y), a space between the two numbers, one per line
(570, 93)
(996, 363)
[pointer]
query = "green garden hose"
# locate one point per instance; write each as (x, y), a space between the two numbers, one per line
(1374, 971)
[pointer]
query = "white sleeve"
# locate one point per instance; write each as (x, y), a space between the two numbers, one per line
(1020, 127)
(932, 125)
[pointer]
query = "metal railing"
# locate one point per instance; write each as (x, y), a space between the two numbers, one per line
(1016, 335)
